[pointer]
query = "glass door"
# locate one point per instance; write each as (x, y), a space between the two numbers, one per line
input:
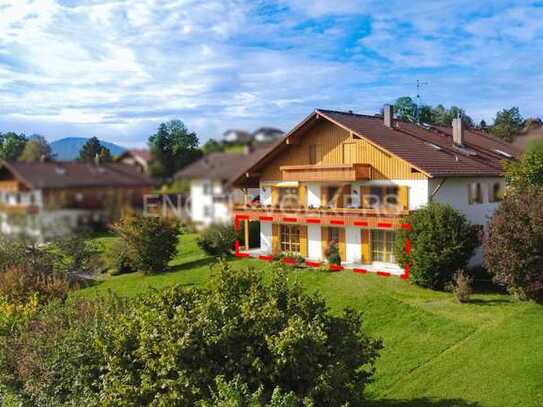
(382, 242)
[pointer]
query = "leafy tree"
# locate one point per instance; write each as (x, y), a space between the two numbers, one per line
(173, 147)
(36, 149)
(442, 242)
(482, 125)
(218, 240)
(405, 109)
(150, 242)
(514, 244)
(92, 149)
(527, 172)
(11, 146)
(212, 146)
(508, 124)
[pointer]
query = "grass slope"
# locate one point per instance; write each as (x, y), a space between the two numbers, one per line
(437, 352)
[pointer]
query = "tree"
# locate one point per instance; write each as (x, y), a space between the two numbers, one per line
(405, 108)
(527, 172)
(442, 242)
(173, 147)
(212, 146)
(514, 244)
(36, 149)
(92, 149)
(11, 146)
(508, 124)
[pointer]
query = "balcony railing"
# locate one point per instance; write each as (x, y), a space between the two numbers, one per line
(18, 209)
(326, 173)
(360, 217)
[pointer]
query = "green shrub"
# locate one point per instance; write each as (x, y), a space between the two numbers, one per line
(514, 244)
(332, 254)
(244, 340)
(462, 286)
(151, 242)
(442, 242)
(218, 240)
(117, 258)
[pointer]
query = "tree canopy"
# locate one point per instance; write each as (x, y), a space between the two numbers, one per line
(508, 124)
(36, 149)
(11, 145)
(406, 109)
(173, 147)
(92, 149)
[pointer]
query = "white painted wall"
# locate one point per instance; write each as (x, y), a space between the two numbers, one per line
(313, 195)
(314, 245)
(353, 242)
(266, 237)
(265, 194)
(204, 209)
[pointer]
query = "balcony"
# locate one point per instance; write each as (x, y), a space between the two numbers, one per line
(326, 173)
(18, 209)
(377, 218)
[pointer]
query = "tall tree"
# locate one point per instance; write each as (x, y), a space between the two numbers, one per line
(93, 149)
(173, 147)
(36, 149)
(405, 108)
(528, 172)
(508, 124)
(11, 146)
(212, 146)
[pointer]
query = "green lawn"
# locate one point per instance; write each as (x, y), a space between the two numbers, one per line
(437, 352)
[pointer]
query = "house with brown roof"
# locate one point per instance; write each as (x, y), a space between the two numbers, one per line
(139, 158)
(211, 192)
(349, 178)
(46, 199)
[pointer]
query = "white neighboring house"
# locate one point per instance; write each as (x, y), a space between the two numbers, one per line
(211, 195)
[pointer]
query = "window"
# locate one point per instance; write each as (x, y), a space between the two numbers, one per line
(333, 235)
(207, 211)
(332, 196)
(495, 193)
(383, 197)
(207, 189)
(382, 242)
(290, 239)
(475, 193)
(288, 197)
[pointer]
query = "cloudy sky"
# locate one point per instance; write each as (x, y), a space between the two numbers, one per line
(115, 69)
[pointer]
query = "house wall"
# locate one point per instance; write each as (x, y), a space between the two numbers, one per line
(204, 208)
(353, 244)
(314, 248)
(266, 237)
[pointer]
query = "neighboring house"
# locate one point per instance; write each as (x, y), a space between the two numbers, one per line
(349, 178)
(265, 135)
(234, 136)
(211, 196)
(139, 158)
(48, 199)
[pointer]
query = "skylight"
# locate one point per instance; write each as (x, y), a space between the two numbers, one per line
(434, 146)
(501, 152)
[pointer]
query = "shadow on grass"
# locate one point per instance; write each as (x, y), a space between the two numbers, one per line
(423, 402)
(490, 302)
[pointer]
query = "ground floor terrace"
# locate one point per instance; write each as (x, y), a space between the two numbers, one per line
(365, 243)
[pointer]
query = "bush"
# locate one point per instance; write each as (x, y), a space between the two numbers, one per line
(218, 240)
(151, 242)
(461, 286)
(244, 340)
(332, 254)
(514, 244)
(442, 242)
(117, 258)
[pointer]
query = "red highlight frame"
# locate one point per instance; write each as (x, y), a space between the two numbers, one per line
(266, 258)
(312, 263)
(337, 222)
(289, 261)
(335, 267)
(383, 273)
(288, 219)
(361, 223)
(360, 270)
(312, 220)
(266, 218)
(384, 225)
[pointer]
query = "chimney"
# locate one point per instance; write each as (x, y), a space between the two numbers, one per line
(388, 114)
(458, 131)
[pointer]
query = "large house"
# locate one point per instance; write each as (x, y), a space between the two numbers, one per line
(211, 194)
(47, 199)
(349, 178)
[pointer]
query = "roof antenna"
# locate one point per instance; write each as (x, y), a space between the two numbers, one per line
(417, 108)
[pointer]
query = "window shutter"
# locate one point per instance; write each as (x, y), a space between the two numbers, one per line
(404, 197)
(342, 251)
(275, 195)
(275, 239)
(302, 192)
(303, 241)
(366, 249)
(324, 241)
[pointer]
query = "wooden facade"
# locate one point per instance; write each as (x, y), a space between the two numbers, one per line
(328, 144)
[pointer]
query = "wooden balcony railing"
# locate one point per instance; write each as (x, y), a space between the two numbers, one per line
(18, 209)
(326, 173)
(366, 218)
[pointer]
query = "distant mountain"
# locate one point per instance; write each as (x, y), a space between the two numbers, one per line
(67, 149)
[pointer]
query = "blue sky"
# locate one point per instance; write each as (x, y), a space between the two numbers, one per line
(116, 69)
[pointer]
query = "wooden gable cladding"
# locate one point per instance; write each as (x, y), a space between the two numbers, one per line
(11, 186)
(329, 144)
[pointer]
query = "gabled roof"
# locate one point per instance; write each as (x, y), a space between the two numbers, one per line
(428, 149)
(141, 153)
(221, 166)
(60, 175)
